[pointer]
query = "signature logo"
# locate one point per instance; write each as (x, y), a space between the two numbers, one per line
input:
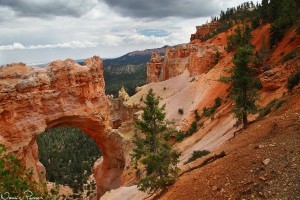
(27, 195)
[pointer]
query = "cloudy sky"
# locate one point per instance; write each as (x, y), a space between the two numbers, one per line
(34, 31)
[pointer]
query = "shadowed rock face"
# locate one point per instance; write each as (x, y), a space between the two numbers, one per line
(62, 94)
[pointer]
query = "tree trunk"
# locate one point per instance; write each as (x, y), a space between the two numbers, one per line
(245, 119)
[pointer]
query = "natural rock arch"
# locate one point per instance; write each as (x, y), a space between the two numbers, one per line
(62, 94)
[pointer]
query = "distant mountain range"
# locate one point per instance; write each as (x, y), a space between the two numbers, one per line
(135, 57)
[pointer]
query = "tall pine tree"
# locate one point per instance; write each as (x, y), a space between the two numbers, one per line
(244, 85)
(153, 152)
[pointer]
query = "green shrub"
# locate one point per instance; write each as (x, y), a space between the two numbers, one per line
(218, 101)
(218, 57)
(180, 111)
(293, 80)
(196, 155)
(192, 129)
(274, 104)
(197, 116)
(207, 112)
(265, 111)
(298, 29)
(15, 180)
(194, 126)
(291, 55)
(255, 23)
(193, 79)
(292, 39)
(278, 104)
(179, 136)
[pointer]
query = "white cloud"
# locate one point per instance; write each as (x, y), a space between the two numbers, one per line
(112, 40)
(143, 39)
(12, 46)
(133, 39)
(72, 44)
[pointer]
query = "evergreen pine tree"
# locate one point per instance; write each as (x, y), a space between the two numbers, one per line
(283, 15)
(244, 85)
(264, 11)
(153, 150)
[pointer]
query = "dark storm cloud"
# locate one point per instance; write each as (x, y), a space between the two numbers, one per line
(165, 8)
(48, 8)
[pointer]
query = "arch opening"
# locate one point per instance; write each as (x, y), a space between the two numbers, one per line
(108, 169)
(68, 154)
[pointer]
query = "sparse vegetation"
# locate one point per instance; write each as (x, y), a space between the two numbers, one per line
(179, 136)
(293, 80)
(292, 39)
(272, 106)
(278, 104)
(197, 116)
(207, 112)
(180, 111)
(265, 111)
(218, 57)
(192, 80)
(291, 55)
(196, 155)
(193, 128)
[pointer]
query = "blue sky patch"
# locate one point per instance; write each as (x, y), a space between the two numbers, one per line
(153, 32)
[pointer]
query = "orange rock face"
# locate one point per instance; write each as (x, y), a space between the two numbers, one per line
(205, 29)
(62, 94)
(196, 58)
(154, 68)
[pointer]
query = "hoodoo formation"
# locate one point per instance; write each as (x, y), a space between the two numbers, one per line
(62, 94)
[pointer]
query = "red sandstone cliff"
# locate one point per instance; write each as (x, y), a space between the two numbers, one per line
(204, 29)
(62, 94)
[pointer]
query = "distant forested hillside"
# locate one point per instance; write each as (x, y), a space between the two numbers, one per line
(129, 76)
(129, 70)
